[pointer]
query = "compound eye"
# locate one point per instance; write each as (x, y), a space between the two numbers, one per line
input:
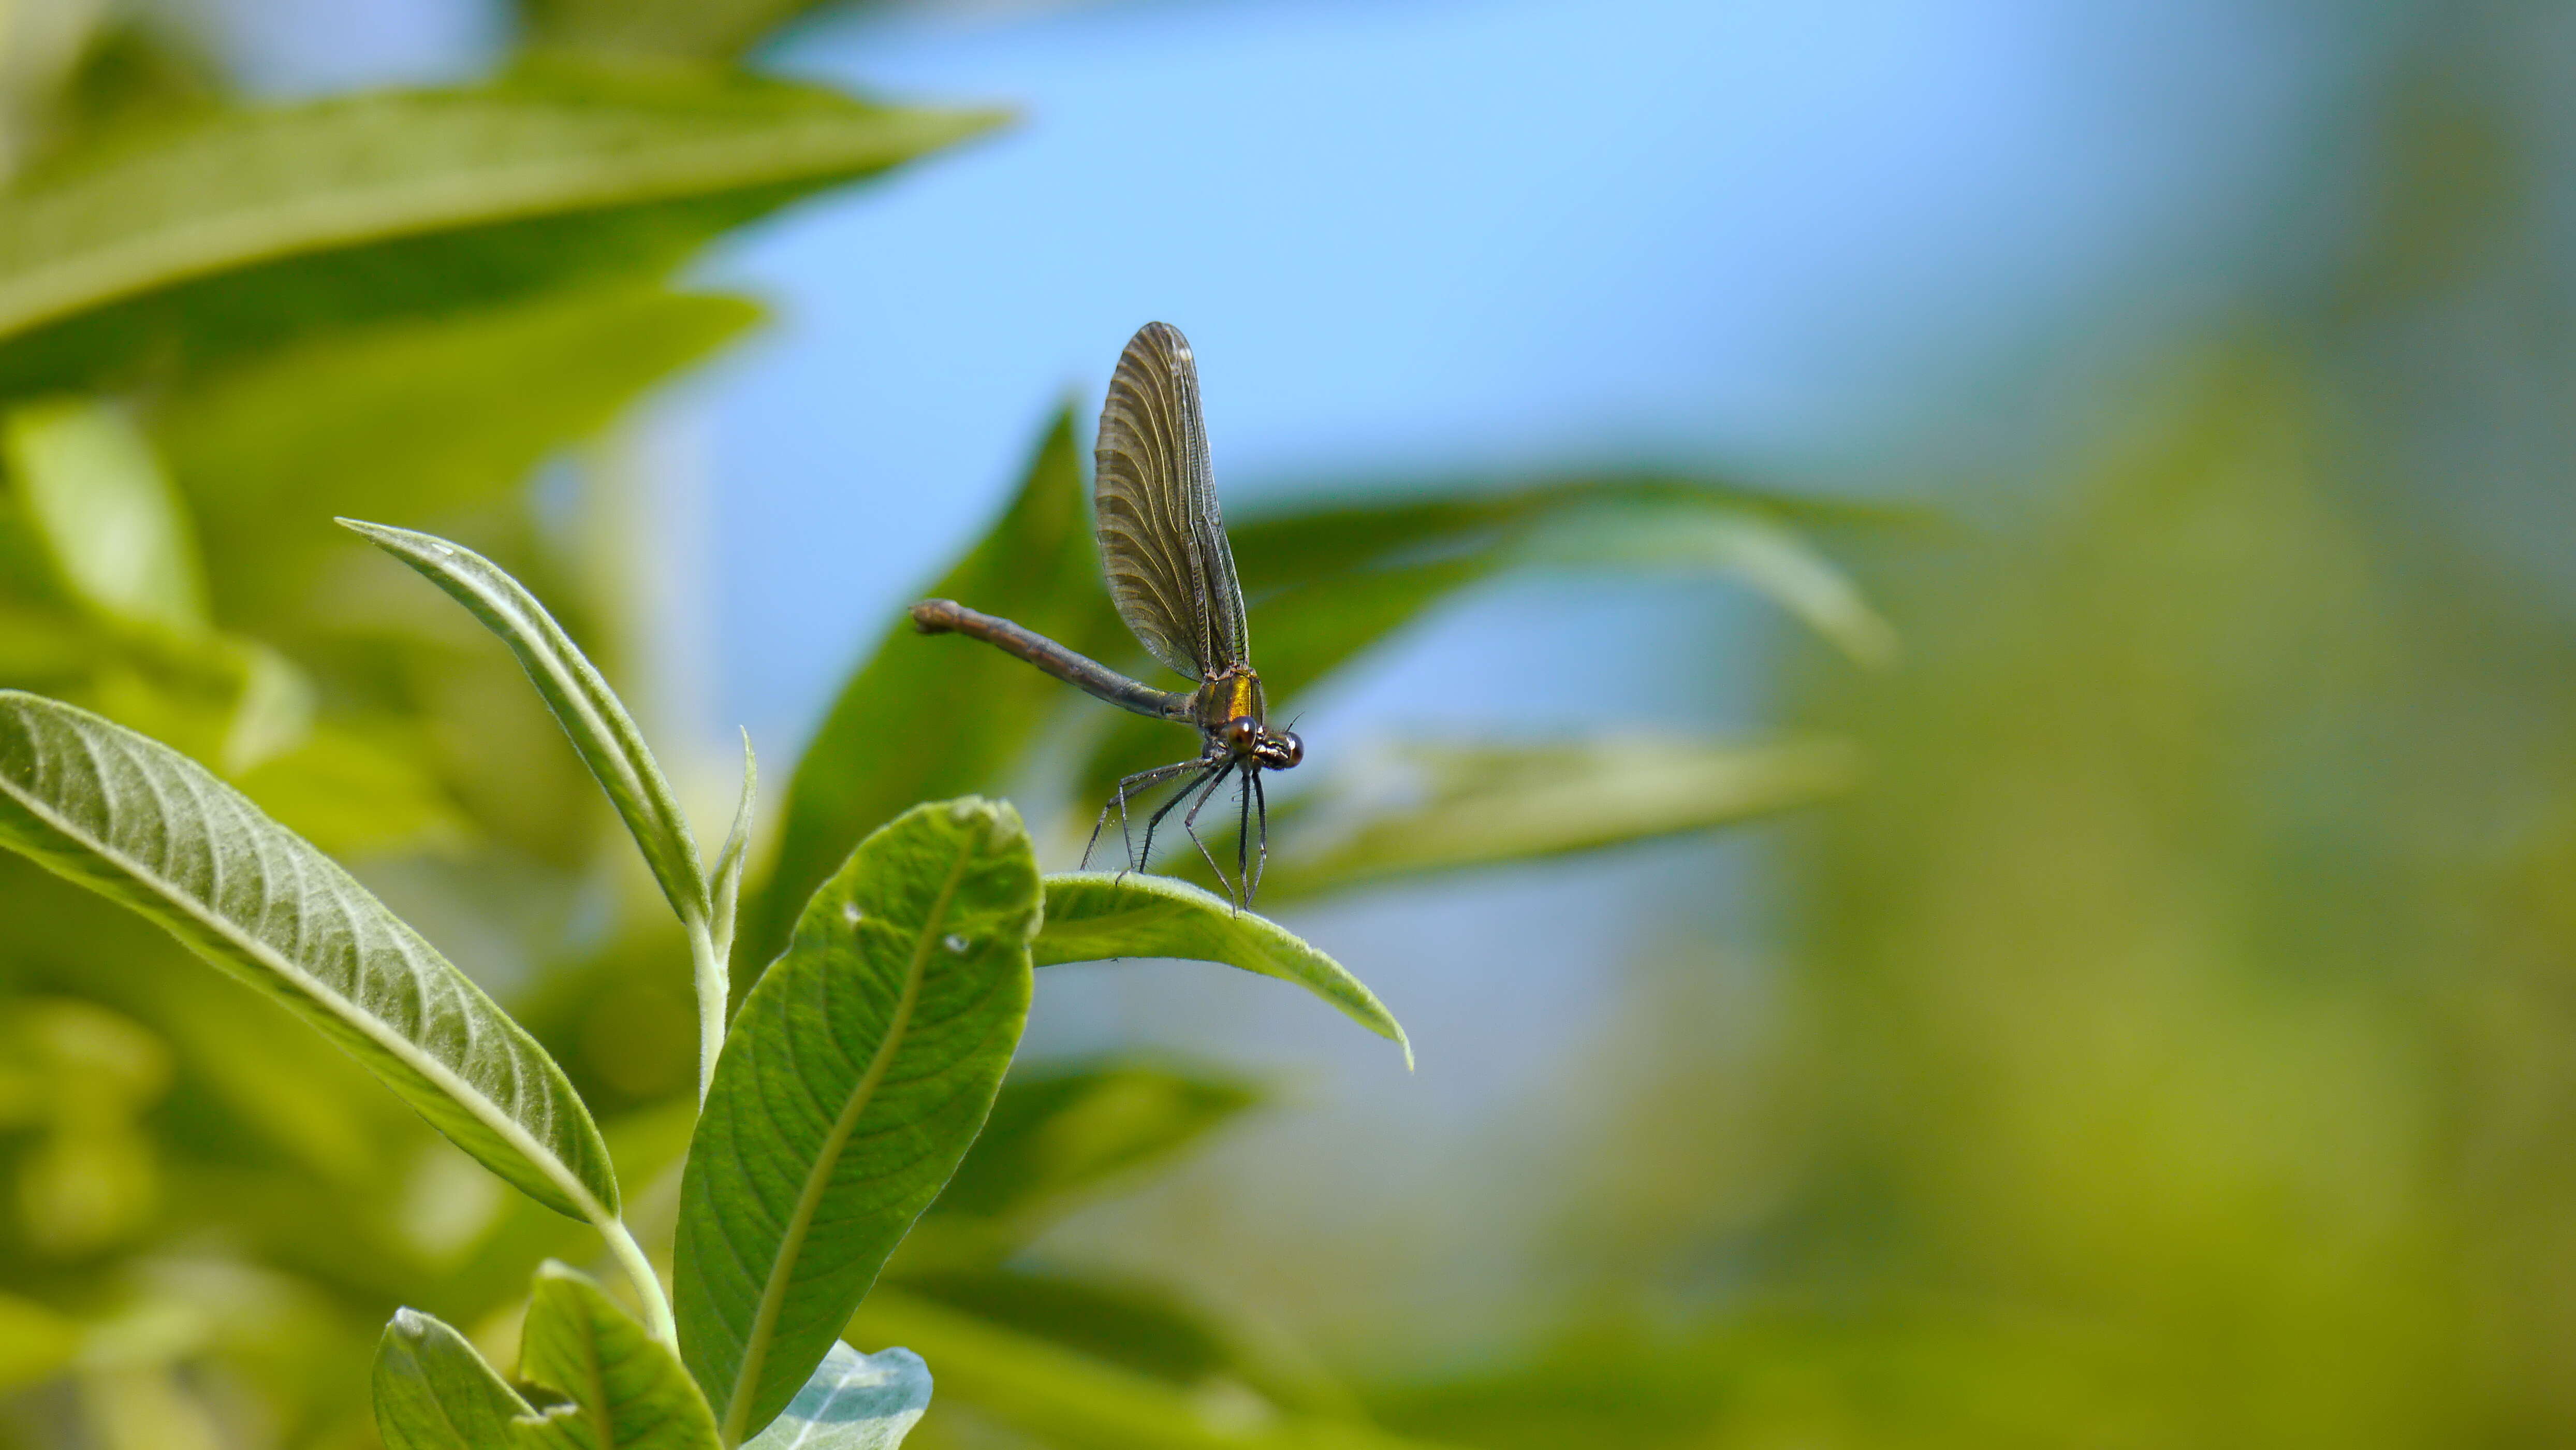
(1242, 731)
(1290, 748)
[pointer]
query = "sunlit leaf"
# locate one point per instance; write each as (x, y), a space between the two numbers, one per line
(1443, 808)
(244, 227)
(116, 533)
(857, 1072)
(435, 1392)
(928, 717)
(149, 828)
(627, 1388)
(590, 712)
(1098, 915)
(853, 1401)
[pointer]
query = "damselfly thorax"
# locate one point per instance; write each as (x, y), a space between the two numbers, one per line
(1171, 573)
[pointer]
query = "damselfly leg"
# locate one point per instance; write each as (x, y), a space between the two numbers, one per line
(1139, 783)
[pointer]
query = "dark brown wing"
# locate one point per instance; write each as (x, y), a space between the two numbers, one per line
(1162, 541)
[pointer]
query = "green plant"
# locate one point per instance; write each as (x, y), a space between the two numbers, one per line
(834, 1105)
(224, 325)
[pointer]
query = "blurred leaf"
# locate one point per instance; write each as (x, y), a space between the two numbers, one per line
(627, 1388)
(353, 795)
(589, 711)
(1056, 1134)
(434, 1392)
(150, 829)
(853, 1402)
(861, 1066)
(1329, 580)
(1070, 1399)
(117, 534)
(418, 416)
(1444, 808)
(247, 227)
(34, 1341)
(1318, 559)
(925, 718)
(1097, 915)
(1136, 1327)
(666, 29)
(1760, 550)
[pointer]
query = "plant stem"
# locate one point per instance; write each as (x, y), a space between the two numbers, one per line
(714, 985)
(648, 1286)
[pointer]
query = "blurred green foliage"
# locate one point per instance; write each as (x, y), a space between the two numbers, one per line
(2173, 1043)
(221, 325)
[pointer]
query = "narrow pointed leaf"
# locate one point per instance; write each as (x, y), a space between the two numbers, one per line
(857, 1072)
(853, 1401)
(590, 712)
(435, 1392)
(1098, 915)
(145, 826)
(628, 1389)
(928, 717)
(726, 882)
(1457, 808)
(236, 228)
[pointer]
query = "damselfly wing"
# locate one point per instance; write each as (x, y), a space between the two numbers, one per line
(1171, 573)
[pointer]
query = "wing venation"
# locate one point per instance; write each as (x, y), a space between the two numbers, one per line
(1162, 540)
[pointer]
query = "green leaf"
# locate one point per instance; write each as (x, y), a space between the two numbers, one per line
(1446, 808)
(1071, 1399)
(435, 1392)
(674, 29)
(929, 717)
(418, 416)
(1097, 915)
(1055, 1134)
(149, 828)
(590, 712)
(853, 1401)
(117, 534)
(726, 877)
(245, 227)
(1329, 580)
(627, 1388)
(857, 1072)
(1139, 1327)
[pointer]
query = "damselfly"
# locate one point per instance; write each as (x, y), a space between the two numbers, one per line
(1171, 574)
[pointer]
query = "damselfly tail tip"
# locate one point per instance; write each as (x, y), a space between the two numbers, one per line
(931, 616)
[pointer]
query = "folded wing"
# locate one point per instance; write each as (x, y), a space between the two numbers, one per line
(1162, 540)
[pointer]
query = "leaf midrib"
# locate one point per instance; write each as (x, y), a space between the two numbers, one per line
(476, 1104)
(773, 1295)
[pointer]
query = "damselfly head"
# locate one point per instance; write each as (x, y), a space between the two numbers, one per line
(1278, 749)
